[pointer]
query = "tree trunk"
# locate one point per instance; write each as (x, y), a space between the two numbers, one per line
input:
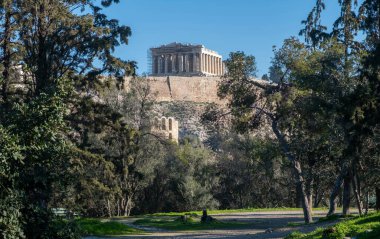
(298, 199)
(109, 210)
(129, 206)
(297, 167)
(355, 187)
(346, 194)
(305, 203)
(318, 194)
(7, 54)
(310, 201)
(123, 207)
(366, 203)
(335, 193)
(42, 73)
(377, 192)
(309, 186)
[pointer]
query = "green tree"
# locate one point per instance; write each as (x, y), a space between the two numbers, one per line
(250, 109)
(57, 40)
(11, 225)
(344, 31)
(369, 92)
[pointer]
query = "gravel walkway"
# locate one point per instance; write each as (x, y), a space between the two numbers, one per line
(261, 225)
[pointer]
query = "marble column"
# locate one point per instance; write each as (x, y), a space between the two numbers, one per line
(183, 62)
(166, 64)
(217, 66)
(195, 62)
(208, 63)
(159, 65)
(213, 64)
(203, 62)
(173, 56)
(154, 65)
(220, 66)
(200, 62)
(180, 62)
(187, 66)
(215, 59)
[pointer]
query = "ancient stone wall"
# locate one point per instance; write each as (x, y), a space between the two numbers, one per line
(166, 128)
(185, 99)
(195, 89)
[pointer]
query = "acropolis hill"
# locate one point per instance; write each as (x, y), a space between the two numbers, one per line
(185, 72)
(185, 79)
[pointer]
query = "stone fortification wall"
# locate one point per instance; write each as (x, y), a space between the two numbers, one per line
(198, 89)
(185, 99)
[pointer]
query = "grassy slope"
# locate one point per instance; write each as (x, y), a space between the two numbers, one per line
(96, 227)
(361, 227)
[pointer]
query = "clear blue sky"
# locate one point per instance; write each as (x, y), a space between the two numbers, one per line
(252, 26)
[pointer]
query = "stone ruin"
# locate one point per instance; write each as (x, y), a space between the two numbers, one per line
(185, 60)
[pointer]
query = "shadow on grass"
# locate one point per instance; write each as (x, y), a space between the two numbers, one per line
(174, 224)
(228, 211)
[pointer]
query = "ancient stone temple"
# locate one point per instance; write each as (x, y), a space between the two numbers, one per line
(185, 60)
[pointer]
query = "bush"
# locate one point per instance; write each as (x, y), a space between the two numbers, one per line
(10, 218)
(367, 227)
(295, 235)
(98, 228)
(337, 232)
(64, 229)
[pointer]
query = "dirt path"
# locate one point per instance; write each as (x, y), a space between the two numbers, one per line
(260, 225)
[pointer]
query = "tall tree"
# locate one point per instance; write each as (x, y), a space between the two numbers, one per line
(369, 92)
(250, 109)
(60, 42)
(344, 30)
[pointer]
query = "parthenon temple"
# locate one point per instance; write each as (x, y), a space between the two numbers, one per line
(185, 60)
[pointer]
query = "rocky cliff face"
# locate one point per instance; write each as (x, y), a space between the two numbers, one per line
(185, 99)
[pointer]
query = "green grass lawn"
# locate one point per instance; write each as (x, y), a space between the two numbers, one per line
(96, 227)
(226, 211)
(361, 227)
(173, 223)
(333, 217)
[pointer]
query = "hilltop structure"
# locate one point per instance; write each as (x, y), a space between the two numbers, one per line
(178, 59)
(167, 128)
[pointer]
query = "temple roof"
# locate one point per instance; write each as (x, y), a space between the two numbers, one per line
(178, 45)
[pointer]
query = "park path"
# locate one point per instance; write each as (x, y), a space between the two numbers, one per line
(261, 225)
